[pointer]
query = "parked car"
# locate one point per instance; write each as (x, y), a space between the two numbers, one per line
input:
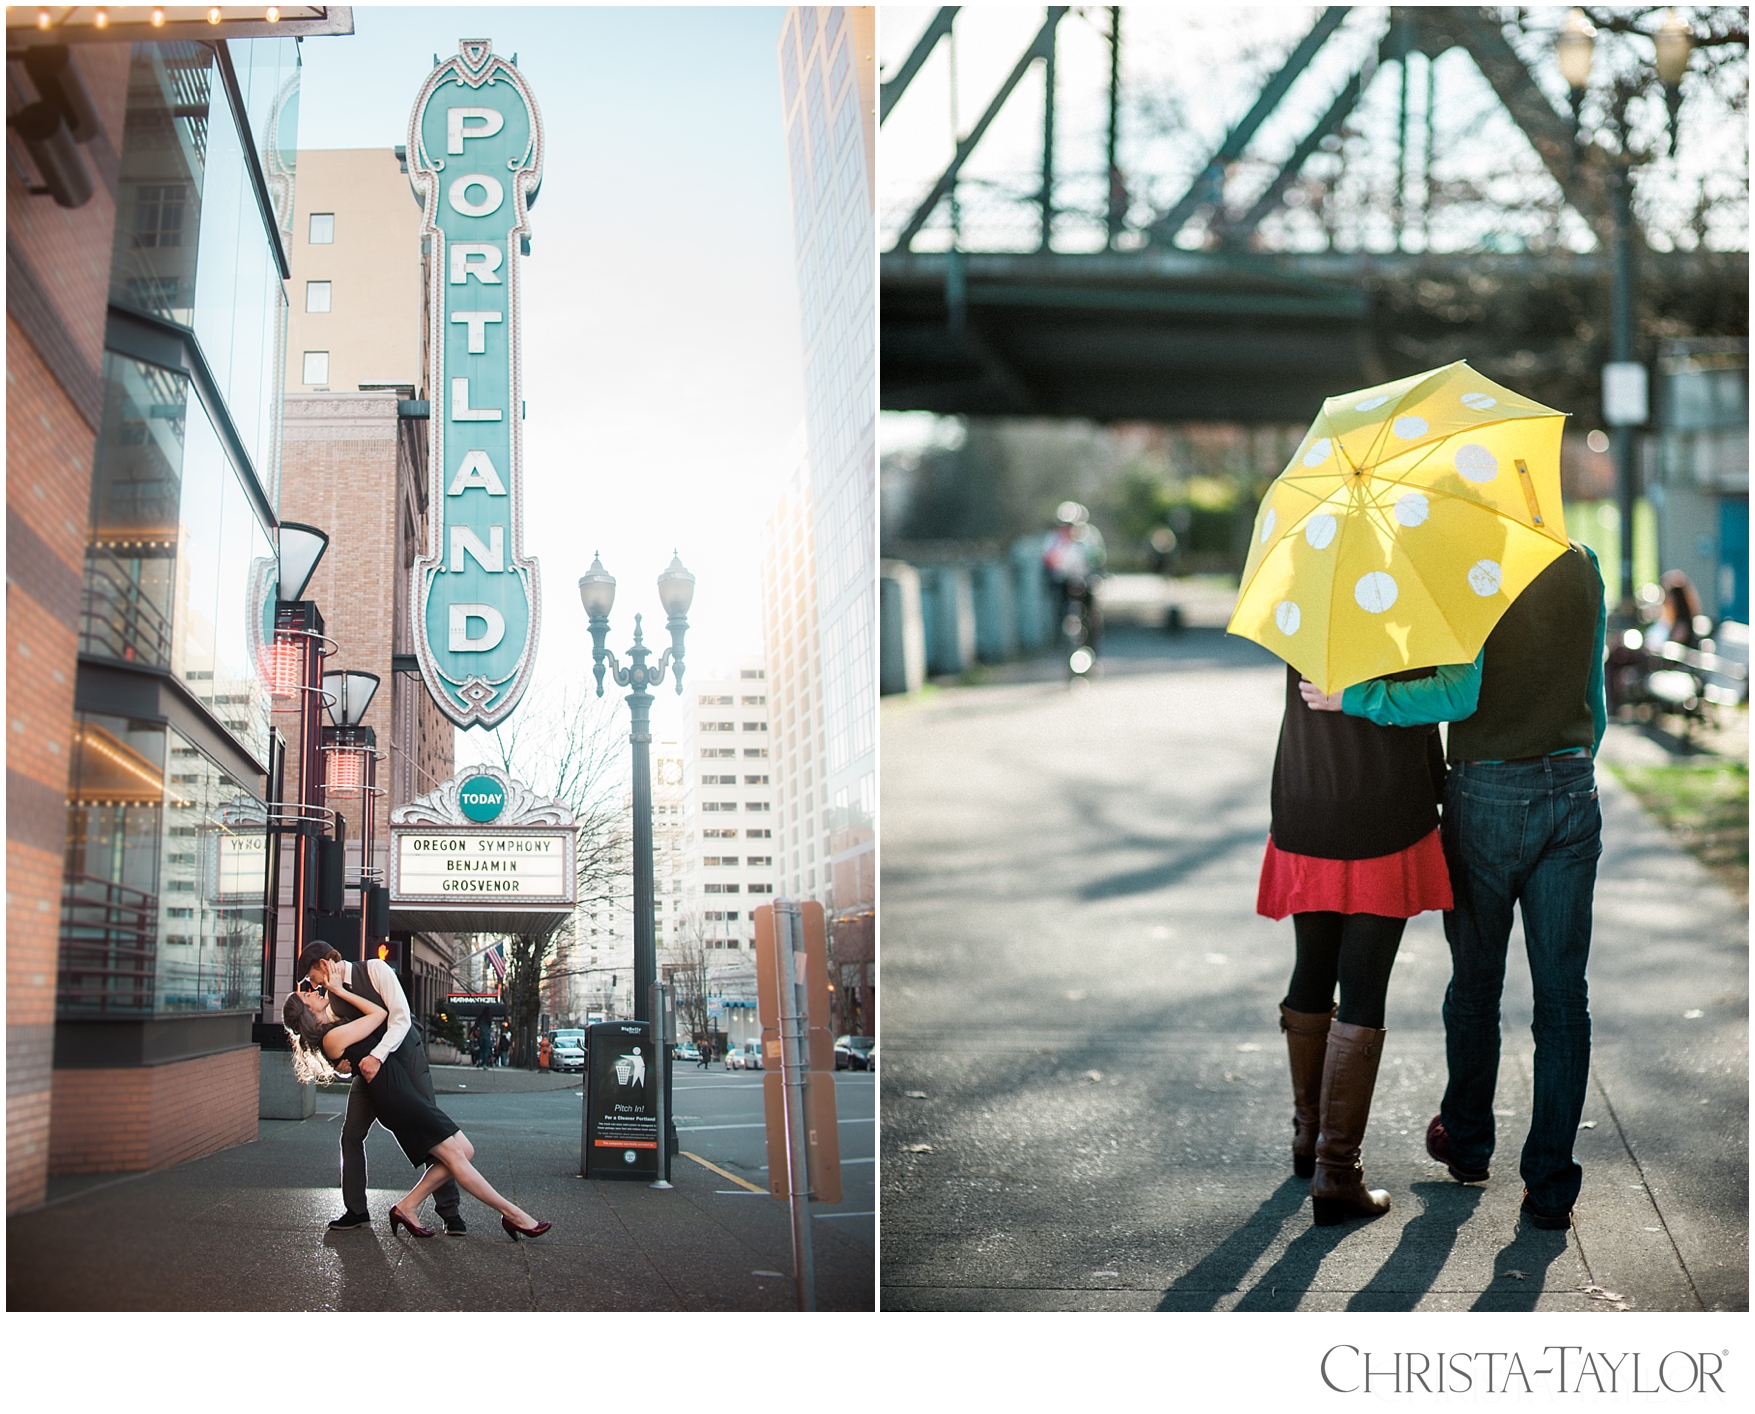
(685, 1051)
(748, 1056)
(567, 1051)
(854, 1052)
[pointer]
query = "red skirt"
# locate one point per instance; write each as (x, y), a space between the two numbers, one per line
(1397, 885)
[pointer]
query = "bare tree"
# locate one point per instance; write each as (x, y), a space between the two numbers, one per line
(568, 746)
(688, 974)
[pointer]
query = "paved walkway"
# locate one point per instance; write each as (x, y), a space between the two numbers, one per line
(1085, 1101)
(244, 1230)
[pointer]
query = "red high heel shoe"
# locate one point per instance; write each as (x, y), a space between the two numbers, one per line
(517, 1232)
(414, 1228)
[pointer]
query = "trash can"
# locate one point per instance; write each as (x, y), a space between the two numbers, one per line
(619, 1135)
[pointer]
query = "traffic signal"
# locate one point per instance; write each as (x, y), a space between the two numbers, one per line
(389, 952)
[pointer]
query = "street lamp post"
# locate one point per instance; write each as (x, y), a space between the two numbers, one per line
(296, 671)
(676, 591)
(1624, 386)
(351, 768)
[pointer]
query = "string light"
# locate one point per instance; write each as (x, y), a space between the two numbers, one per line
(43, 20)
(101, 19)
(158, 19)
(213, 15)
(274, 14)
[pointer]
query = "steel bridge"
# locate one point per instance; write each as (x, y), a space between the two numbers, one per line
(1235, 333)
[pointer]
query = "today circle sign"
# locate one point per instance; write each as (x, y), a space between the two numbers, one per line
(482, 798)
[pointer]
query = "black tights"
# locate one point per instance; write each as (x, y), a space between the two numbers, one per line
(1356, 949)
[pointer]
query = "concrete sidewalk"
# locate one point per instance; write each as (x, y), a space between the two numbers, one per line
(244, 1230)
(1086, 1103)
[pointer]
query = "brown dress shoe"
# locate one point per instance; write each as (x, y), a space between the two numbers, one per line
(1349, 1076)
(1306, 1044)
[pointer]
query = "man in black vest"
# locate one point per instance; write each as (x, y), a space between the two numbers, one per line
(320, 965)
(1522, 826)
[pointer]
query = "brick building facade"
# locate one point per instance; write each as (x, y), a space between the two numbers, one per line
(138, 418)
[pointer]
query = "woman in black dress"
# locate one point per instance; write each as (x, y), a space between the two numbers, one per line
(426, 1133)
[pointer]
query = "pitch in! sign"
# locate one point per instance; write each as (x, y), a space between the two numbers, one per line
(475, 159)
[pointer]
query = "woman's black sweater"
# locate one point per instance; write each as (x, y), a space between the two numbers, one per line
(1346, 788)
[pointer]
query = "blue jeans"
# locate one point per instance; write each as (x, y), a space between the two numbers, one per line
(1530, 834)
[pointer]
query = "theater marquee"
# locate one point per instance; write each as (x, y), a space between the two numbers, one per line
(482, 853)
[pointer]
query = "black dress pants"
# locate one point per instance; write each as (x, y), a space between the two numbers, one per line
(411, 1055)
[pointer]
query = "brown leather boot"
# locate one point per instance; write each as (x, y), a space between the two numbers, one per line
(1349, 1076)
(1306, 1043)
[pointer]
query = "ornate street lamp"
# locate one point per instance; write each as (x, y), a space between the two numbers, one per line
(1675, 44)
(351, 769)
(296, 672)
(1624, 380)
(676, 591)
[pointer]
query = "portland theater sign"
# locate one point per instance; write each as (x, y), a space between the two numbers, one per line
(475, 161)
(482, 854)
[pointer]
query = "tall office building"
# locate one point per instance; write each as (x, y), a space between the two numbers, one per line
(727, 840)
(828, 86)
(355, 466)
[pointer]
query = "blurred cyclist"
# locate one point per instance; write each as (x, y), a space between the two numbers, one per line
(1073, 557)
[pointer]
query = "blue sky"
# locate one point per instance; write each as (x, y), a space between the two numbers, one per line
(661, 346)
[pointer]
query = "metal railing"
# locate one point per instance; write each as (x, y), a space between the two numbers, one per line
(109, 947)
(117, 618)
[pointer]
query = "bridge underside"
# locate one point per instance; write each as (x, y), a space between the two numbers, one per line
(1172, 336)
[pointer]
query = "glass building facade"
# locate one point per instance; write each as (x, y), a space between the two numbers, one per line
(825, 71)
(165, 878)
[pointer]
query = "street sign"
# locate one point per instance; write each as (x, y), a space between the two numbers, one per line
(1625, 396)
(475, 162)
(620, 1134)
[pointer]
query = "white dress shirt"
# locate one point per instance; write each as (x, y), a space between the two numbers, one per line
(383, 980)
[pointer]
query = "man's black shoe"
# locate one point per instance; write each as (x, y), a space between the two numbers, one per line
(347, 1220)
(1549, 1222)
(454, 1224)
(1438, 1146)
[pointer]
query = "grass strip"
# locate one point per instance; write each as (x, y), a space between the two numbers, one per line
(1704, 807)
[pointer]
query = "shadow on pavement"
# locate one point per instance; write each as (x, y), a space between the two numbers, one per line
(1217, 1274)
(1282, 1285)
(1532, 1251)
(1409, 1271)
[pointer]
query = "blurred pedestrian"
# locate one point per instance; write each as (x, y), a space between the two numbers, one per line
(1353, 853)
(1522, 829)
(705, 1058)
(1675, 620)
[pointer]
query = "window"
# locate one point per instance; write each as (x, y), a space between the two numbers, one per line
(704, 700)
(317, 296)
(159, 216)
(323, 228)
(719, 860)
(759, 888)
(724, 888)
(757, 805)
(760, 861)
(757, 834)
(755, 780)
(711, 806)
(710, 780)
(755, 702)
(316, 368)
(755, 726)
(709, 753)
(718, 726)
(756, 674)
(718, 834)
(759, 753)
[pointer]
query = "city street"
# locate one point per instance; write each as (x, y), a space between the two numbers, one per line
(1086, 1102)
(243, 1229)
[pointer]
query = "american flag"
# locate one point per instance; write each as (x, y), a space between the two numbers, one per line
(496, 956)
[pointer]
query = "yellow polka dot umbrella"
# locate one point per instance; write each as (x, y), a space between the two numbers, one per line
(1409, 519)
